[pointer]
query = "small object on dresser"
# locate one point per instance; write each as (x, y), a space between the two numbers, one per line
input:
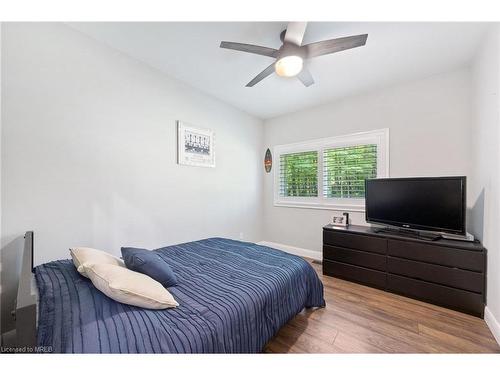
(341, 221)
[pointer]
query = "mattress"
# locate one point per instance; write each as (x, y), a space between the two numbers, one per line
(233, 298)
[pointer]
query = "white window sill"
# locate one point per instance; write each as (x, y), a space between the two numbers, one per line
(320, 206)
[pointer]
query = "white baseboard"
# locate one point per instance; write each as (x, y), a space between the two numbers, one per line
(492, 323)
(316, 255)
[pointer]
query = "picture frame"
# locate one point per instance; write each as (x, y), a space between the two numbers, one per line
(341, 220)
(195, 146)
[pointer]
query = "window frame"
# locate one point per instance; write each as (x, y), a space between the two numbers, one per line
(379, 137)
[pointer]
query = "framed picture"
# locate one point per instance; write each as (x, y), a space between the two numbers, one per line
(341, 221)
(195, 146)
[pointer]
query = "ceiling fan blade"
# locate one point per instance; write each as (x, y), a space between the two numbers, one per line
(266, 72)
(250, 48)
(326, 47)
(295, 32)
(305, 77)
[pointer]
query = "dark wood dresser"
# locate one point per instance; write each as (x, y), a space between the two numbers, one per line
(444, 272)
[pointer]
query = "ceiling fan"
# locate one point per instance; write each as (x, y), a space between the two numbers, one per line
(289, 58)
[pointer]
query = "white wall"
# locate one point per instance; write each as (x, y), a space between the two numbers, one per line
(486, 174)
(430, 124)
(89, 153)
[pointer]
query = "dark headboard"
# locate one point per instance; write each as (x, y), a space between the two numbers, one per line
(26, 299)
(24, 296)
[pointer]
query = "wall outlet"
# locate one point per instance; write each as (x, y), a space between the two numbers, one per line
(241, 235)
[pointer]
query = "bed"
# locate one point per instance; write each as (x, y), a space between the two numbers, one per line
(233, 298)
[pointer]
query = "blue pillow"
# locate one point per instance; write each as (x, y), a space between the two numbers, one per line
(149, 263)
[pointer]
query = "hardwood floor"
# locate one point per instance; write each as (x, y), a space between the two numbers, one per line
(359, 319)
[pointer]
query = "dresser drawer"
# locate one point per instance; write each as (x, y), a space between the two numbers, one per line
(462, 300)
(454, 277)
(354, 273)
(359, 258)
(469, 260)
(354, 241)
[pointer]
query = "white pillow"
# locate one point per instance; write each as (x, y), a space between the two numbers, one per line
(83, 255)
(132, 288)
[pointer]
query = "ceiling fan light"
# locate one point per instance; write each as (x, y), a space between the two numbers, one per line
(289, 66)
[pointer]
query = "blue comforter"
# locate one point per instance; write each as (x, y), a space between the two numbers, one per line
(233, 297)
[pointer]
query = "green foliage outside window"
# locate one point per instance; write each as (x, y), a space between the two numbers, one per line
(299, 174)
(346, 169)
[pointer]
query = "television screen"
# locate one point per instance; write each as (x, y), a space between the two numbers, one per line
(433, 204)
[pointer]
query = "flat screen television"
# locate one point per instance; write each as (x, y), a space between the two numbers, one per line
(434, 204)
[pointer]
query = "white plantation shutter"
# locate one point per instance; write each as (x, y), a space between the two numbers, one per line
(345, 170)
(330, 173)
(299, 174)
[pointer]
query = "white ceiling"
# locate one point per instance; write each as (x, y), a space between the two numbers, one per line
(395, 52)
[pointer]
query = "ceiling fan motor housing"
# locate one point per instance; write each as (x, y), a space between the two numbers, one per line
(290, 49)
(282, 36)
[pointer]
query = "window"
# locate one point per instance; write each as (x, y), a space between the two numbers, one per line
(299, 174)
(330, 173)
(345, 170)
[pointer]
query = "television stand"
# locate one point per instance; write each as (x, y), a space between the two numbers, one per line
(408, 233)
(445, 272)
